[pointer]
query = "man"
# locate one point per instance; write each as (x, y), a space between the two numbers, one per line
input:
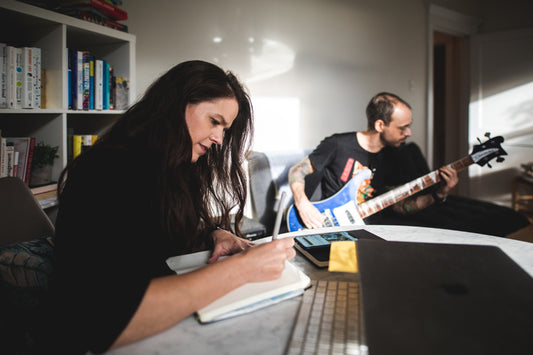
(341, 156)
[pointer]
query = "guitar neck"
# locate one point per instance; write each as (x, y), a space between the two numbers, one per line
(393, 196)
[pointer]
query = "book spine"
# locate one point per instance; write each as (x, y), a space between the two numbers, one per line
(27, 75)
(19, 76)
(36, 77)
(91, 83)
(16, 163)
(86, 78)
(10, 152)
(105, 86)
(73, 77)
(110, 10)
(111, 88)
(11, 76)
(122, 93)
(76, 146)
(3, 158)
(79, 80)
(98, 77)
(3, 75)
(30, 160)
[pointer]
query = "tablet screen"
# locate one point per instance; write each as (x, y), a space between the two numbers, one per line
(321, 240)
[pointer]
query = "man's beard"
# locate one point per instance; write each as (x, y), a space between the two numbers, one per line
(389, 143)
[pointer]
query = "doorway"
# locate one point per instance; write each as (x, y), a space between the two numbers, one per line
(451, 96)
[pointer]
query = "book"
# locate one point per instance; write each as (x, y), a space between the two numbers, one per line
(76, 76)
(19, 77)
(3, 76)
(36, 77)
(98, 84)
(121, 93)
(81, 143)
(247, 298)
(107, 9)
(24, 146)
(28, 78)
(14, 77)
(93, 15)
(105, 85)
(91, 83)
(3, 157)
(86, 77)
(10, 158)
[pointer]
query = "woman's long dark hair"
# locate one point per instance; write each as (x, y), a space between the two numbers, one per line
(191, 196)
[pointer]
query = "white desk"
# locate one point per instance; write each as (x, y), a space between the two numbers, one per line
(267, 331)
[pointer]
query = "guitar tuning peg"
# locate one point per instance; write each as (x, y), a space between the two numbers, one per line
(487, 134)
(479, 140)
(500, 159)
(488, 164)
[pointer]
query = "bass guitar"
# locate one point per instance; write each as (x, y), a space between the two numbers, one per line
(341, 209)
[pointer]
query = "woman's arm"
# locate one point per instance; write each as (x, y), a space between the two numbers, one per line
(170, 299)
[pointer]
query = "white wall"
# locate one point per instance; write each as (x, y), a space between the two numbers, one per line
(310, 65)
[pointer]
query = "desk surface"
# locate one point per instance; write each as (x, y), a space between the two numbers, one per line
(270, 328)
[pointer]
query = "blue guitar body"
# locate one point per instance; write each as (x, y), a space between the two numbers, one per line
(338, 209)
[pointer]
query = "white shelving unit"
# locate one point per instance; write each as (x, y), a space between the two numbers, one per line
(26, 25)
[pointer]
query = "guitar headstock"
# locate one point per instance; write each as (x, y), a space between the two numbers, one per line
(485, 152)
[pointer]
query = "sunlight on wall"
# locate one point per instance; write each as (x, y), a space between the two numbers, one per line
(277, 123)
(508, 114)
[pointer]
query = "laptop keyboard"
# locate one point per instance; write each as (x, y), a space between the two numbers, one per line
(329, 320)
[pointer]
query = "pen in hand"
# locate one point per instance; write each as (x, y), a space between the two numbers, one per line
(277, 224)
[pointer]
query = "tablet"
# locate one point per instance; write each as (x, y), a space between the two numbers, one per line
(316, 247)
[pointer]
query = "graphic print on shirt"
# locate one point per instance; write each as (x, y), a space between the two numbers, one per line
(365, 190)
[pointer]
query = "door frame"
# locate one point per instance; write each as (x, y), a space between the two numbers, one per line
(450, 22)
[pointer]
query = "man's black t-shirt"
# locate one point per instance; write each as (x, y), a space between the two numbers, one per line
(339, 158)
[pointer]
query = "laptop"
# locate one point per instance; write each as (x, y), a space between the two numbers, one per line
(426, 298)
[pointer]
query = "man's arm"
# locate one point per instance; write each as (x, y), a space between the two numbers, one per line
(411, 205)
(310, 215)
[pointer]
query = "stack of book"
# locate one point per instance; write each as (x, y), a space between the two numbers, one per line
(80, 143)
(93, 85)
(16, 156)
(20, 77)
(103, 12)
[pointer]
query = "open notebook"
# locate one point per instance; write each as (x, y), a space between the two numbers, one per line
(247, 298)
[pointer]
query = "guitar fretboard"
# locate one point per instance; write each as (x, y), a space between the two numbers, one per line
(397, 194)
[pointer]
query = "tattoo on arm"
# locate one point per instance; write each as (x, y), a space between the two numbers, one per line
(407, 206)
(300, 170)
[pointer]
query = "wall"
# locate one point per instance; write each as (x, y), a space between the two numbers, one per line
(310, 65)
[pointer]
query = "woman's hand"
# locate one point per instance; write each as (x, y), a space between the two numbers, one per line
(226, 243)
(266, 261)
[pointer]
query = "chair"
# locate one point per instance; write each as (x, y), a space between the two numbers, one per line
(26, 252)
(21, 217)
(269, 176)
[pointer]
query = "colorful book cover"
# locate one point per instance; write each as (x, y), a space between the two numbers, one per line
(27, 75)
(91, 83)
(86, 96)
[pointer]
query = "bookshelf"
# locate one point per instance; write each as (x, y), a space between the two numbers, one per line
(22, 25)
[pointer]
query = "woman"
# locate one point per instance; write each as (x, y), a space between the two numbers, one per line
(161, 182)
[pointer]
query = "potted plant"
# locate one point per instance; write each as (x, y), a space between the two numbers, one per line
(44, 156)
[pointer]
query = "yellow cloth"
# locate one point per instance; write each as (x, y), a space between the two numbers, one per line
(343, 257)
